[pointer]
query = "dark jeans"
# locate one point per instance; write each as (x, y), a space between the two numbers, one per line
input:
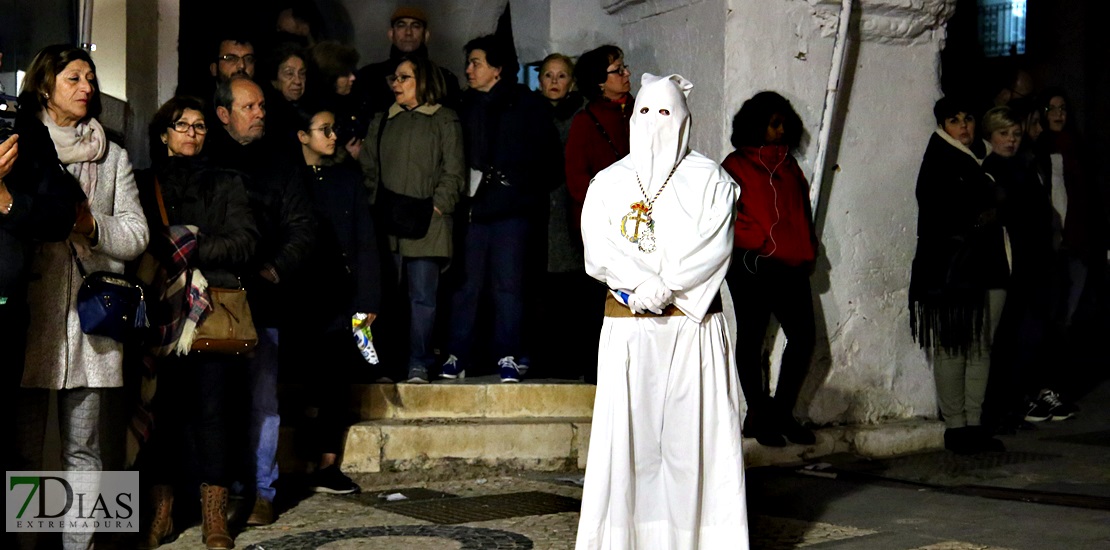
(494, 252)
(784, 291)
(195, 425)
(422, 275)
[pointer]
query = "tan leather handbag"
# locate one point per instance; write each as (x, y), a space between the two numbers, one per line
(229, 327)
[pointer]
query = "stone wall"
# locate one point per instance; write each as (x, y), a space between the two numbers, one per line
(867, 367)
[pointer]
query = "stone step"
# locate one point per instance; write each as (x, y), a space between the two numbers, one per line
(543, 444)
(464, 399)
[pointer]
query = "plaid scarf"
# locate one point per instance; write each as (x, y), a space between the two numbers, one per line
(183, 296)
(183, 302)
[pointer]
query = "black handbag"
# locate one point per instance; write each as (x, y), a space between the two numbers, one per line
(404, 216)
(110, 304)
(401, 215)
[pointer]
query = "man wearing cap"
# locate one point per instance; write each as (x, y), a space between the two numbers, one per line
(408, 32)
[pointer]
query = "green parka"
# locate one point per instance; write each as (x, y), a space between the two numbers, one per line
(421, 155)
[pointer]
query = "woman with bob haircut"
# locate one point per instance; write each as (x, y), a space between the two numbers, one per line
(959, 273)
(193, 402)
(599, 132)
(61, 85)
(775, 246)
(416, 149)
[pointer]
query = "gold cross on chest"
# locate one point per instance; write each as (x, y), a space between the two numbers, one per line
(640, 214)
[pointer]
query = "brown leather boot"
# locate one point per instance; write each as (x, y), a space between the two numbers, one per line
(262, 514)
(213, 510)
(161, 524)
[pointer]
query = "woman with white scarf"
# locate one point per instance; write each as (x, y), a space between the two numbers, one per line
(110, 230)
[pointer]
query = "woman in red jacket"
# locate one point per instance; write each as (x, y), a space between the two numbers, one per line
(775, 247)
(598, 137)
(599, 132)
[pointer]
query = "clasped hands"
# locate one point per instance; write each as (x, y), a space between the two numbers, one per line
(652, 295)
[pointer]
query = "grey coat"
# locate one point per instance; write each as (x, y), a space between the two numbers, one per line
(421, 156)
(59, 355)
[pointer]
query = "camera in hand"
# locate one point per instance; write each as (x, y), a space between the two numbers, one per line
(7, 117)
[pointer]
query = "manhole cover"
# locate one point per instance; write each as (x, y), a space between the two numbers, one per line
(939, 465)
(449, 511)
(1101, 439)
(403, 494)
(471, 538)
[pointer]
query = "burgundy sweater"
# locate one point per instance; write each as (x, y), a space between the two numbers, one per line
(588, 152)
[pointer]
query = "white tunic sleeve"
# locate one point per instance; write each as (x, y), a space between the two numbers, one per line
(694, 266)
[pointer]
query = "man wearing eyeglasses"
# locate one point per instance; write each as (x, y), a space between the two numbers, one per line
(408, 33)
(232, 54)
(278, 198)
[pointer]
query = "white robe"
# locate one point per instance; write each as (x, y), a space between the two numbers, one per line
(665, 466)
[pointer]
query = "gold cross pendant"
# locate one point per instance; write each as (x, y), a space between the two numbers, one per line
(638, 227)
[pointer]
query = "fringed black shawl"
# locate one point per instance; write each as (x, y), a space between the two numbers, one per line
(960, 249)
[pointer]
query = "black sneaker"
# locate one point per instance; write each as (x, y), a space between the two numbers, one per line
(1038, 411)
(332, 481)
(796, 433)
(1056, 407)
(764, 433)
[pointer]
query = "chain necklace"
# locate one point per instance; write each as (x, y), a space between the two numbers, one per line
(637, 225)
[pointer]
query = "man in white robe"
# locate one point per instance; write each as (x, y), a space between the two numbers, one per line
(665, 465)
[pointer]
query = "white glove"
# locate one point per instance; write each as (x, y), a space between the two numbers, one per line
(654, 294)
(634, 302)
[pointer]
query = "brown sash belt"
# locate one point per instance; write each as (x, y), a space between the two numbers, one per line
(614, 308)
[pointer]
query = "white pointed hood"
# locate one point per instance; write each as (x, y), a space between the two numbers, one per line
(660, 128)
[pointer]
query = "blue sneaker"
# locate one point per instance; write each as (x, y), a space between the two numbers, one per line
(451, 368)
(510, 372)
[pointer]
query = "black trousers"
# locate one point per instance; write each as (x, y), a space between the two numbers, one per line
(324, 363)
(13, 341)
(759, 289)
(196, 422)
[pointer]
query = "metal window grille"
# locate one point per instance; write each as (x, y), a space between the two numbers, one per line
(1002, 27)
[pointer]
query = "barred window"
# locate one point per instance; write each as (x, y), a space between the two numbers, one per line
(1002, 27)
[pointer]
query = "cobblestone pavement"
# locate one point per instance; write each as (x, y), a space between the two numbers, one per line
(359, 522)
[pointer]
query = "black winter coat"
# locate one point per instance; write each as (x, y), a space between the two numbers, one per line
(214, 200)
(44, 201)
(1026, 212)
(276, 190)
(960, 247)
(343, 274)
(511, 138)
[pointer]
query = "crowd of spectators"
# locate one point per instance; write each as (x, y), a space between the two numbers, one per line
(343, 198)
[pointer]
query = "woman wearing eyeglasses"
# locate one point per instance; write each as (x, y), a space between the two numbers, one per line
(208, 226)
(415, 149)
(288, 74)
(599, 132)
(598, 137)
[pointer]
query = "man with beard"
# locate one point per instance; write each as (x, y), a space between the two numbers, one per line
(408, 33)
